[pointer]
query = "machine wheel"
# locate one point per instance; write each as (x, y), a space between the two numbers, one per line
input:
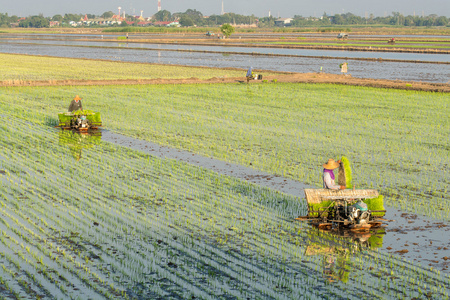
(325, 226)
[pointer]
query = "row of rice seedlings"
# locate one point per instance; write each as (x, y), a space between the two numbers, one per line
(271, 126)
(41, 244)
(167, 220)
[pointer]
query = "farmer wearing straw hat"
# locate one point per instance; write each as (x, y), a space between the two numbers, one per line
(328, 175)
(75, 104)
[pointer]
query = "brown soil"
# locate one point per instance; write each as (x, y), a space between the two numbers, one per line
(282, 77)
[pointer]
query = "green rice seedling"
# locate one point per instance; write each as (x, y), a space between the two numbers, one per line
(376, 204)
(345, 173)
(156, 227)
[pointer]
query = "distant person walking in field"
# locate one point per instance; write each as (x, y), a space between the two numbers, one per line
(328, 175)
(75, 104)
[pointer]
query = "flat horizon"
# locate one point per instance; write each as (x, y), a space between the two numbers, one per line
(260, 8)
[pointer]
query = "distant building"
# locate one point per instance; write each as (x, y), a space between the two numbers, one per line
(283, 22)
(145, 23)
(167, 24)
(117, 18)
(139, 18)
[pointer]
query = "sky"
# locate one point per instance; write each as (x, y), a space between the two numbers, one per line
(259, 8)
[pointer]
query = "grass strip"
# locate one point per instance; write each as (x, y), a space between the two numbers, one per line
(28, 67)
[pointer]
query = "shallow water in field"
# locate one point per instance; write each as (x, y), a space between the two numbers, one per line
(338, 54)
(103, 221)
(410, 236)
(407, 71)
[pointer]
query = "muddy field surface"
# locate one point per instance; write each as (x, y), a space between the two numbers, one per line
(282, 77)
(410, 236)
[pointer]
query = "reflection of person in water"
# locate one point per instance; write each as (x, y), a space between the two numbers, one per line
(335, 266)
(328, 264)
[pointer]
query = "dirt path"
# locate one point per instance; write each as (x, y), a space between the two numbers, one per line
(282, 77)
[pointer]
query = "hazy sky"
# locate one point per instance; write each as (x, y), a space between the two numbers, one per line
(260, 8)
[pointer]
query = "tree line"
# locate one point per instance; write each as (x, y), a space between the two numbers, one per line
(192, 17)
(396, 19)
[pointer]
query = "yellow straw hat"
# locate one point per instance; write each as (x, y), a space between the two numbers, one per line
(331, 164)
(77, 98)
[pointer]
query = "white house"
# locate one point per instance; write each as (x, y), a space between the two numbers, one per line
(283, 22)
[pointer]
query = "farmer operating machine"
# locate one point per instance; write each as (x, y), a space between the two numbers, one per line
(354, 209)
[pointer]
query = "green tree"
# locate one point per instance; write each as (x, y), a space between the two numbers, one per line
(57, 18)
(35, 22)
(107, 15)
(338, 19)
(442, 21)
(227, 30)
(186, 21)
(163, 16)
(266, 22)
(72, 17)
(194, 15)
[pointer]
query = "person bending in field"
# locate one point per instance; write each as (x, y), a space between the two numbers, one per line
(328, 175)
(75, 104)
(249, 75)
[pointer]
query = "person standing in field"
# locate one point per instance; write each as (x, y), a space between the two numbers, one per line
(328, 175)
(75, 104)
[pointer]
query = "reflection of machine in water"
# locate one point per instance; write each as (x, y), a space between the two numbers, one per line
(78, 141)
(337, 253)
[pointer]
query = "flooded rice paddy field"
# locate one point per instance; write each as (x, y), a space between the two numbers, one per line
(221, 48)
(112, 217)
(402, 66)
(86, 218)
(413, 237)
